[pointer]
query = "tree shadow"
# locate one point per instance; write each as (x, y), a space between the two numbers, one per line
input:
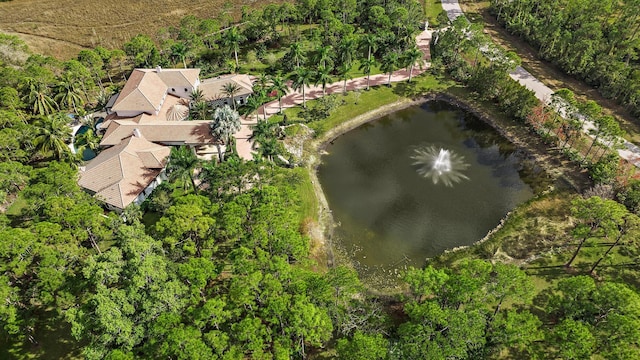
(408, 89)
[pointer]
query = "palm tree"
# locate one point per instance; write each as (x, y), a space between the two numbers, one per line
(389, 64)
(279, 86)
(232, 39)
(226, 122)
(230, 89)
(347, 49)
(67, 92)
(264, 130)
(38, 98)
(366, 66)
(323, 76)
(268, 148)
(369, 42)
(88, 140)
(323, 55)
(296, 53)
(253, 103)
(196, 96)
(344, 71)
(52, 135)
(182, 163)
(301, 79)
(412, 57)
(265, 134)
(200, 111)
(179, 50)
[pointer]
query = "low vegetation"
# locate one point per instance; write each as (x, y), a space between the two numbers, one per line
(62, 28)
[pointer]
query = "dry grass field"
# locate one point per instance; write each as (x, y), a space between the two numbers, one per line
(62, 27)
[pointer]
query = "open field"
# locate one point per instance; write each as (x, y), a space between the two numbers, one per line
(62, 27)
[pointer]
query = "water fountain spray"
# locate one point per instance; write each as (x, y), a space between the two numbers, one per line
(440, 165)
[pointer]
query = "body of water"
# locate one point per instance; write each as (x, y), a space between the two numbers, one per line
(391, 216)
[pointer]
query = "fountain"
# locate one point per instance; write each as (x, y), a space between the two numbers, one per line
(441, 165)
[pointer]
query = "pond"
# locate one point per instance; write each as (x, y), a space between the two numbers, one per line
(391, 215)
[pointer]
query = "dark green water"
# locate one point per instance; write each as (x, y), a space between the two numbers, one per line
(389, 216)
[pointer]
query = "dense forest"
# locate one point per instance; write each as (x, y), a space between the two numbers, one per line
(597, 41)
(218, 263)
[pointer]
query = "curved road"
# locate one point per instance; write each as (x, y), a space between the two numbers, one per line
(628, 151)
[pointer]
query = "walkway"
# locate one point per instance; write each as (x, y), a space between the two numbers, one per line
(629, 151)
(294, 97)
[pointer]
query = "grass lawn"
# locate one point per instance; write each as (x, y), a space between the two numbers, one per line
(53, 341)
(355, 104)
(17, 206)
(432, 8)
(309, 201)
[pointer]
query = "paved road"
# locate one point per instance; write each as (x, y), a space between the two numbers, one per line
(629, 151)
(294, 97)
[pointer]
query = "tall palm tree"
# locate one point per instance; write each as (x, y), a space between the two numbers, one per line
(256, 100)
(230, 89)
(346, 49)
(253, 104)
(180, 51)
(226, 122)
(323, 76)
(52, 135)
(67, 93)
(369, 43)
(344, 72)
(366, 66)
(39, 99)
(279, 86)
(412, 57)
(301, 79)
(323, 55)
(389, 64)
(232, 39)
(182, 163)
(296, 53)
(261, 83)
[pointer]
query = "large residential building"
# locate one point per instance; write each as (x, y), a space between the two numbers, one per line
(213, 89)
(144, 120)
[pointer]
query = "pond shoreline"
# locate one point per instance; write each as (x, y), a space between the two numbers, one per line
(562, 172)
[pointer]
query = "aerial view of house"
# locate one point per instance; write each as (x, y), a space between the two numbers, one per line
(144, 120)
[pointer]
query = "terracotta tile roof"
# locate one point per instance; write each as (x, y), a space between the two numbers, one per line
(212, 88)
(166, 132)
(176, 77)
(143, 92)
(119, 174)
(146, 88)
